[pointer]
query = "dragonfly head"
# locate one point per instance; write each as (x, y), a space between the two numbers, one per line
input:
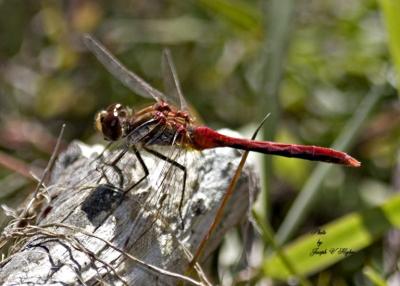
(112, 121)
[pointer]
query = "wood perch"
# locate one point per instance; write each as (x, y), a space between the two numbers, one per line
(89, 232)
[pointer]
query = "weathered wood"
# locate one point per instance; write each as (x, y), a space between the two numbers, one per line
(144, 222)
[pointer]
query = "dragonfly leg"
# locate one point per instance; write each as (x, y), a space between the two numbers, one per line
(100, 156)
(179, 166)
(111, 164)
(141, 161)
(120, 190)
(144, 167)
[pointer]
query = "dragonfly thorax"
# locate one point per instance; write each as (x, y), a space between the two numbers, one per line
(113, 121)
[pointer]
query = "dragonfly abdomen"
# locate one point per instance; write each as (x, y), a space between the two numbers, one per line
(205, 138)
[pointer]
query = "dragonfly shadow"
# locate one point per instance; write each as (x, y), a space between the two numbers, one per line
(102, 200)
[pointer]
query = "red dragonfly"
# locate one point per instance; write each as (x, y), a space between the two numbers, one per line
(165, 124)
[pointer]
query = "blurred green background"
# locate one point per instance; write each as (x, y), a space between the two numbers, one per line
(327, 71)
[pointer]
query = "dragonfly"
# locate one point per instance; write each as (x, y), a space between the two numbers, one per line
(168, 122)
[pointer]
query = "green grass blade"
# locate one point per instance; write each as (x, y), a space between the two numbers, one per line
(277, 29)
(268, 236)
(374, 276)
(303, 202)
(391, 16)
(351, 232)
(238, 13)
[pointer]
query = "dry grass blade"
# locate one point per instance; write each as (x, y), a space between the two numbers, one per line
(15, 165)
(225, 199)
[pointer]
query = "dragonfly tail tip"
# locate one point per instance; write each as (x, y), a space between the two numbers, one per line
(353, 162)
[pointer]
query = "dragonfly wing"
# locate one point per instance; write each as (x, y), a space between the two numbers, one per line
(171, 80)
(119, 71)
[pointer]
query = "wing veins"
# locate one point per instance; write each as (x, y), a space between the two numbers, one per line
(131, 80)
(171, 80)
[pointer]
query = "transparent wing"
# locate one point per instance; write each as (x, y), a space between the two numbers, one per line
(171, 80)
(119, 71)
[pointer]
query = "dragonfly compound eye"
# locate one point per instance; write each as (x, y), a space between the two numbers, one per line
(109, 124)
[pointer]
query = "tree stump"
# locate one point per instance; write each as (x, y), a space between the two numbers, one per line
(86, 230)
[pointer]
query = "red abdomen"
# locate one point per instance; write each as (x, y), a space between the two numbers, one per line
(205, 138)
